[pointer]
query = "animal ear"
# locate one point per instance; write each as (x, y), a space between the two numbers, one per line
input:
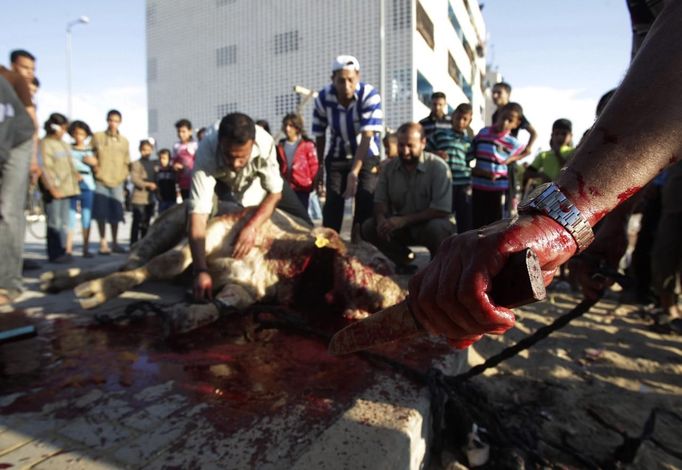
(327, 238)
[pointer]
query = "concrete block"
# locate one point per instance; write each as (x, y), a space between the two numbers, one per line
(100, 435)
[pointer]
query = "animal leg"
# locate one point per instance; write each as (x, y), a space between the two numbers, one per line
(56, 281)
(166, 266)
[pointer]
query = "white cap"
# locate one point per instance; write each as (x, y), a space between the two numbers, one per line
(345, 62)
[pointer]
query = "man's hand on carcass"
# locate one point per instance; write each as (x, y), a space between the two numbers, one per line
(203, 286)
(245, 241)
(450, 296)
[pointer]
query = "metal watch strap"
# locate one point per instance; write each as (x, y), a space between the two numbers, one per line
(554, 204)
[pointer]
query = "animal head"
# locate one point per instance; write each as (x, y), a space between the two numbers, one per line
(327, 238)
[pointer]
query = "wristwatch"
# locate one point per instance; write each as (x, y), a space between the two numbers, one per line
(550, 201)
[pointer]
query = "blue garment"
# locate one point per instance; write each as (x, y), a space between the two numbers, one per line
(84, 170)
(364, 113)
(85, 198)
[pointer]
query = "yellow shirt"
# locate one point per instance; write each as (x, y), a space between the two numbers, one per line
(113, 158)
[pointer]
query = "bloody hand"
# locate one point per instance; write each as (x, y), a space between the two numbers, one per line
(450, 296)
(203, 286)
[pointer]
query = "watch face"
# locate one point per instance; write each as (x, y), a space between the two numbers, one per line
(532, 195)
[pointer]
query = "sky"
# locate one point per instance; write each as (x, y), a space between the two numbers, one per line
(559, 56)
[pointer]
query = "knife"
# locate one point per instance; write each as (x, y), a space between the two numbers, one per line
(519, 283)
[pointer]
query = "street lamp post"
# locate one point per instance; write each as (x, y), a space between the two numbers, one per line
(69, 25)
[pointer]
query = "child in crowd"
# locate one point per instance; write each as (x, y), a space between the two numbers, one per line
(183, 156)
(143, 177)
(453, 146)
(390, 142)
(547, 164)
(84, 161)
(494, 148)
(166, 190)
(297, 158)
(59, 180)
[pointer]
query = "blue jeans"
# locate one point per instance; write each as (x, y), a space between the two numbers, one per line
(57, 212)
(13, 191)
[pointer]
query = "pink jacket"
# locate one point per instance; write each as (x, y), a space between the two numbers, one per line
(184, 154)
(304, 166)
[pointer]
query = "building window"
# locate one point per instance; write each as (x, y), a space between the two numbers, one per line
(453, 71)
(226, 55)
(401, 85)
(469, 50)
(222, 3)
(455, 22)
(151, 14)
(151, 69)
(424, 89)
(286, 42)
(226, 108)
(152, 121)
(401, 14)
(286, 103)
(425, 25)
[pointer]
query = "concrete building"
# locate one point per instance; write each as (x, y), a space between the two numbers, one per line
(206, 59)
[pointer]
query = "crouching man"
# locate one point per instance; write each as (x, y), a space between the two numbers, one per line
(235, 161)
(412, 201)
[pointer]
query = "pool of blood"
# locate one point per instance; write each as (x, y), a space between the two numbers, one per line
(241, 373)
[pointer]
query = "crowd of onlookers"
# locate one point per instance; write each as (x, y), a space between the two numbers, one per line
(436, 178)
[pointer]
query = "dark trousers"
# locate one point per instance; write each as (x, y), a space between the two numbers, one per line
(487, 207)
(429, 234)
(57, 212)
(461, 206)
(185, 193)
(337, 176)
(290, 202)
(142, 215)
(641, 256)
(304, 197)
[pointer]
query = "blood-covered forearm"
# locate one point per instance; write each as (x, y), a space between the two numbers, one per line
(638, 133)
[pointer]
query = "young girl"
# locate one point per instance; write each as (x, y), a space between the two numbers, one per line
(84, 161)
(297, 158)
(183, 156)
(60, 183)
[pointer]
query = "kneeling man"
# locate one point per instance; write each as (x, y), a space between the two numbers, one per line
(412, 201)
(237, 161)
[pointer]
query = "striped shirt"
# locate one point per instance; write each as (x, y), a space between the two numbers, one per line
(431, 124)
(456, 145)
(491, 150)
(364, 113)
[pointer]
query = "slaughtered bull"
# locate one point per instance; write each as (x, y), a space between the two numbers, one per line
(291, 265)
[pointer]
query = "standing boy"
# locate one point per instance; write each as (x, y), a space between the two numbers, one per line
(184, 151)
(113, 162)
(166, 189)
(438, 119)
(453, 145)
(547, 165)
(143, 177)
(494, 148)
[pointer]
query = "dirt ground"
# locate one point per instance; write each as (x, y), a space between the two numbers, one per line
(588, 389)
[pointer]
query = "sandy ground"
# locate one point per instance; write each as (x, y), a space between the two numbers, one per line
(577, 394)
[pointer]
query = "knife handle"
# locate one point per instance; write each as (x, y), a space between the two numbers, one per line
(519, 283)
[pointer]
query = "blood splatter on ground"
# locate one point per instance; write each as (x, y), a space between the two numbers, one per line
(241, 372)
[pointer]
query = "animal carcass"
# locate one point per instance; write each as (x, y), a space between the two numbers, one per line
(291, 265)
